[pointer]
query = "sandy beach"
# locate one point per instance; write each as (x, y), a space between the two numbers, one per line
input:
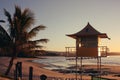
(39, 70)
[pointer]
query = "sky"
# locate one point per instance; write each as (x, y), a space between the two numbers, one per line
(63, 17)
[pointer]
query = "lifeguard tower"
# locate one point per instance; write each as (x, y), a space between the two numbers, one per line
(88, 45)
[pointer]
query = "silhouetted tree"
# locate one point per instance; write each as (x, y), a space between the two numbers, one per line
(4, 39)
(2, 21)
(21, 32)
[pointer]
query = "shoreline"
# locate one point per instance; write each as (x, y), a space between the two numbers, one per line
(62, 63)
(39, 70)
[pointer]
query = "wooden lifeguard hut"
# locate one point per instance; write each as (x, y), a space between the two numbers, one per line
(88, 44)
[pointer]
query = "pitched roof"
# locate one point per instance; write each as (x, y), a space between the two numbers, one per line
(88, 31)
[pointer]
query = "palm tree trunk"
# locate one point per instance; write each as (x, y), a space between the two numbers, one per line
(11, 60)
(9, 66)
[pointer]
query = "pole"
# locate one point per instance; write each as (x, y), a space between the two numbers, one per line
(77, 47)
(16, 72)
(81, 68)
(100, 68)
(76, 68)
(30, 73)
(20, 70)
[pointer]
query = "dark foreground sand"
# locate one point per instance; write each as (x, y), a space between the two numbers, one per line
(39, 70)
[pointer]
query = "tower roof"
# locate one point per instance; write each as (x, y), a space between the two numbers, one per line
(88, 30)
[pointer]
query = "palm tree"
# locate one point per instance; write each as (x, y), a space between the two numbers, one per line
(4, 39)
(21, 32)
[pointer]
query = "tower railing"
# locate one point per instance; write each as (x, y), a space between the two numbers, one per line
(70, 51)
(102, 50)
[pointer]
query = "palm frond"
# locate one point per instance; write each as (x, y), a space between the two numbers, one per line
(4, 37)
(30, 47)
(8, 15)
(17, 12)
(35, 30)
(39, 41)
(34, 47)
(42, 40)
(2, 21)
(17, 27)
(4, 33)
(17, 19)
(27, 19)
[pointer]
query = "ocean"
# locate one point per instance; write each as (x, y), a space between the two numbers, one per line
(62, 62)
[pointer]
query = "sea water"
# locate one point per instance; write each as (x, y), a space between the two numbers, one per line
(63, 62)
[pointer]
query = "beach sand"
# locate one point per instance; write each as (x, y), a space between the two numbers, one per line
(39, 70)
